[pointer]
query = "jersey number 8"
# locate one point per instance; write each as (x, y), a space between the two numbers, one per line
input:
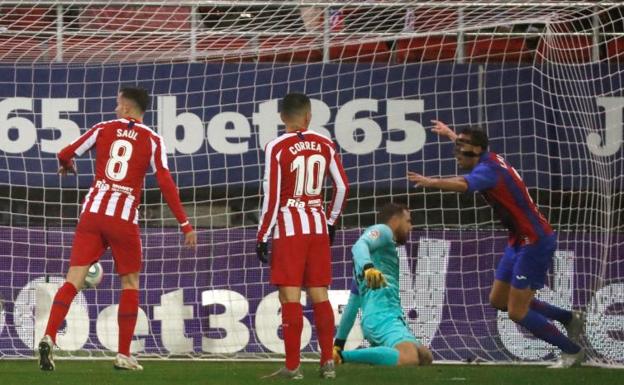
(117, 165)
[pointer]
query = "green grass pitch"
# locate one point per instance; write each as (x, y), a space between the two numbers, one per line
(25, 372)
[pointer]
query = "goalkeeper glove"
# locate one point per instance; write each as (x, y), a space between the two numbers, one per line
(337, 354)
(339, 344)
(374, 278)
(262, 250)
(331, 231)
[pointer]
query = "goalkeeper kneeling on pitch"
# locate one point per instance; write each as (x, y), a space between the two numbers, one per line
(376, 291)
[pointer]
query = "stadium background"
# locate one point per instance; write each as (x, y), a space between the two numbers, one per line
(216, 72)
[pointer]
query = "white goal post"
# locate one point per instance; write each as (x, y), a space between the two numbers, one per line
(545, 79)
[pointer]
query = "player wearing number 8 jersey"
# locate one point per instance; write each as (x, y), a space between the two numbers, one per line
(296, 165)
(125, 150)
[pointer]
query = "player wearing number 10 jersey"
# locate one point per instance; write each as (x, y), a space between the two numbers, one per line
(125, 149)
(295, 168)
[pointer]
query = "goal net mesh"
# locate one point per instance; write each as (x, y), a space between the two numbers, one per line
(544, 79)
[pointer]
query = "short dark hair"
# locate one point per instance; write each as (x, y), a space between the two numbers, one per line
(478, 137)
(138, 95)
(295, 104)
(389, 210)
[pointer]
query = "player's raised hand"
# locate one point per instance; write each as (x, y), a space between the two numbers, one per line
(442, 129)
(374, 278)
(64, 170)
(420, 180)
(190, 238)
(262, 251)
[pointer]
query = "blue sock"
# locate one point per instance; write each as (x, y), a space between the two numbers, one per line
(546, 331)
(379, 355)
(550, 311)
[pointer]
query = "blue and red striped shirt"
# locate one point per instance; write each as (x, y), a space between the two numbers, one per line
(504, 190)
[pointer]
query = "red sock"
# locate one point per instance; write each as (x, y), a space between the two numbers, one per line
(292, 325)
(324, 321)
(126, 318)
(60, 306)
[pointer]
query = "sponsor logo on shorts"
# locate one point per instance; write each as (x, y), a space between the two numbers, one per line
(521, 277)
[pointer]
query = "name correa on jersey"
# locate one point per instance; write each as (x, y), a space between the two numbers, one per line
(296, 165)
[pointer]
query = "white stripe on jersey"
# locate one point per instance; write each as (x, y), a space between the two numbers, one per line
(97, 200)
(125, 213)
(87, 143)
(163, 152)
(318, 223)
(112, 204)
(340, 190)
(276, 232)
(289, 226)
(136, 216)
(152, 157)
(86, 200)
(266, 187)
(305, 222)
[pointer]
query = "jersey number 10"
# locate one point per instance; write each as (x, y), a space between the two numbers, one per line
(309, 174)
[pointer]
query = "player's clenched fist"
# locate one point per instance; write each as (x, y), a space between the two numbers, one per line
(374, 278)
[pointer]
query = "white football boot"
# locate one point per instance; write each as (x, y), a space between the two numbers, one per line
(124, 362)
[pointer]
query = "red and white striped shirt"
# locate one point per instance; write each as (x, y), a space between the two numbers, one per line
(295, 168)
(125, 149)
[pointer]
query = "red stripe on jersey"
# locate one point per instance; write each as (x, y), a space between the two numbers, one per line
(295, 167)
(125, 150)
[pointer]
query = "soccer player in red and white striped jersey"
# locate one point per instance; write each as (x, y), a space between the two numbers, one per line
(125, 150)
(296, 165)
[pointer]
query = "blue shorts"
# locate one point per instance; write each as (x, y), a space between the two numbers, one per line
(526, 266)
(387, 329)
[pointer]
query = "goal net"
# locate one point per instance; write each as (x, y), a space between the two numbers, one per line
(543, 78)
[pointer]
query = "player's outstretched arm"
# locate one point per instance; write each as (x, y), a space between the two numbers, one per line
(340, 193)
(442, 129)
(455, 183)
(76, 148)
(349, 313)
(364, 267)
(170, 191)
(271, 186)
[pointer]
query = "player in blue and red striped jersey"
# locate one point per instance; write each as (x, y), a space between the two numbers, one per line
(532, 241)
(125, 151)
